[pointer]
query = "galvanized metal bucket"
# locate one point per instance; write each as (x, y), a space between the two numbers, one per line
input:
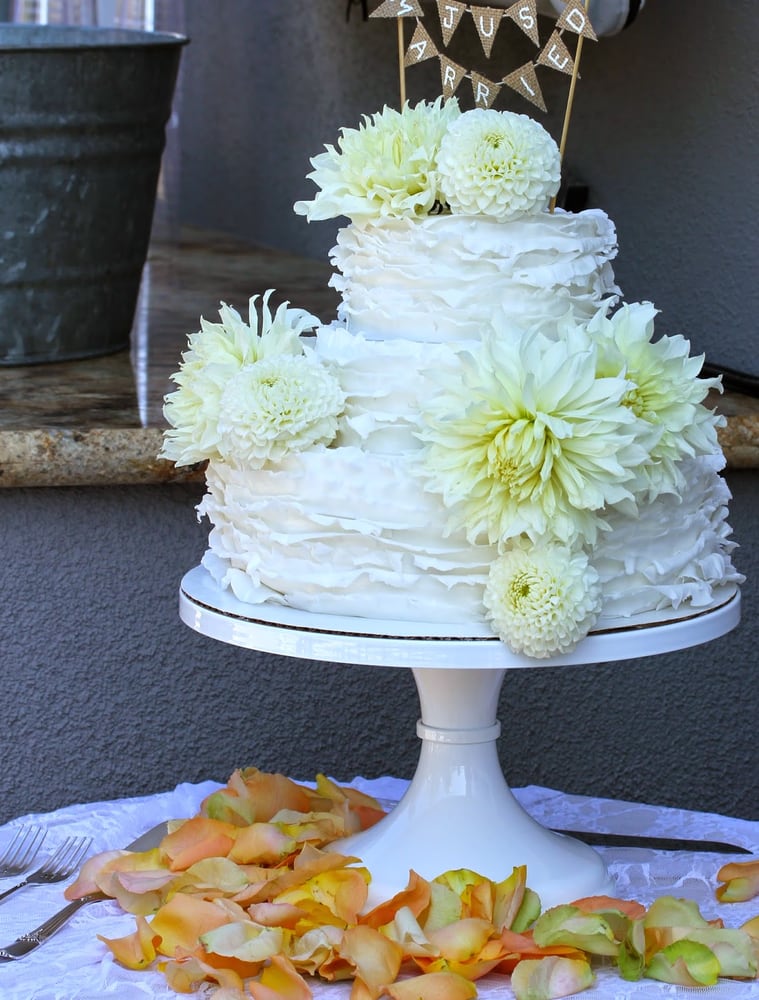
(82, 129)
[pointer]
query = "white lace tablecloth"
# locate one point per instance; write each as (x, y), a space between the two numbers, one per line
(74, 965)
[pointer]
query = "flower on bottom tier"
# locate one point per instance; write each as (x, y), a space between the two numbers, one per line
(530, 441)
(278, 405)
(221, 357)
(498, 163)
(542, 599)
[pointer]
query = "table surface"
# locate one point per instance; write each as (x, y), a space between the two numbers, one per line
(75, 965)
(99, 421)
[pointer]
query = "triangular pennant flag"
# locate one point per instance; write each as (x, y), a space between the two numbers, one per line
(487, 21)
(420, 47)
(524, 80)
(451, 76)
(484, 91)
(556, 55)
(398, 8)
(524, 14)
(575, 18)
(450, 13)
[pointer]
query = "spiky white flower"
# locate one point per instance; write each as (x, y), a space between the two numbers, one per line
(276, 406)
(529, 440)
(216, 353)
(386, 168)
(542, 599)
(498, 163)
(665, 391)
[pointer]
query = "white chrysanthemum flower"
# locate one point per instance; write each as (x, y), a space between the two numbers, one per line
(386, 168)
(277, 406)
(665, 391)
(529, 440)
(498, 163)
(215, 355)
(542, 599)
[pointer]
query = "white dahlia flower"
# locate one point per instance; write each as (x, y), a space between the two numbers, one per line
(542, 599)
(665, 391)
(386, 168)
(216, 353)
(277, 406)
(528, 440)
(498, 163)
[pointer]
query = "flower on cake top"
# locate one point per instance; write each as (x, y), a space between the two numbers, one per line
(386, 168)
(499, 164)
(529, 440)
(250, 396)
(543, 598)
(665, 391)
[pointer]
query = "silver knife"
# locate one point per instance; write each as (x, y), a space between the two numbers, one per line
(654, 843)
(33, 939)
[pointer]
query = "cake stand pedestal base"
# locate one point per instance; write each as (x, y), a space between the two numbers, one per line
(459, 805)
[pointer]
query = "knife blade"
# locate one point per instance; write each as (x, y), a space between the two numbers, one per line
(33, 939)
(654, 843)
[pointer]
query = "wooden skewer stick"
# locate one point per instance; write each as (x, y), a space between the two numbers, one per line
(401, 61)
(570, 99)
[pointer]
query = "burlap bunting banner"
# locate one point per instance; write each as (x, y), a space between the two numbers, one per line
(525, 82)
(450, 13)
(399, 8)
(486, 21)
(525, 15)
(420, 47)
(556, 55)
(484, 91)
(451, 75)
(575, 18)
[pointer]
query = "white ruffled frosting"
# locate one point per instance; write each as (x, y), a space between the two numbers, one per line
(349, 529)
(441, 278)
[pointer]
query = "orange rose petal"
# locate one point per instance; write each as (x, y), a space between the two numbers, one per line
(375, 958)
(741, 880)
(344, 891)
(594, 904)
(270, 793)
(87, 879)
(280, 979)
(463, 939)
(182, 920)
(522, 946)
(261, 843)
(198, 838)
(416, 897)
(185, 974)
(275, 914)
(134, 951)
(751, 927)
(433, 986)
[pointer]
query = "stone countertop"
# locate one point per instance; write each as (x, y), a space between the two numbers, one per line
(99, 421)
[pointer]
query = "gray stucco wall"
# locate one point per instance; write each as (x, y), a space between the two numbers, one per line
(103, 692)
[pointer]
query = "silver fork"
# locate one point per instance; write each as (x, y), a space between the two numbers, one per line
(19, 855)
(63, 863)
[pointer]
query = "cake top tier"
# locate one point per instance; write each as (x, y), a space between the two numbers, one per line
(433, 158)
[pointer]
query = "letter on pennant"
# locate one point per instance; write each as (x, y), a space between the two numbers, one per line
(451, 76)
(556, 55)
(525, 15)
(484, 91)
(487, 21)
(398, 8)
(525, 81)
(450, 13)
(575, 18)
(420, 47)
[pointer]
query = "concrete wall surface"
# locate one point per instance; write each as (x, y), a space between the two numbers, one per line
(105, 693)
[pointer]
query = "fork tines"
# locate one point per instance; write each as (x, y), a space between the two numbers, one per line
(66, 859)
(22, 850)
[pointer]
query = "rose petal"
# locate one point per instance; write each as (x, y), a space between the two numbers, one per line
(375, 958)
(433, 986)
(280, 979)
(685, 963)
(741, 880)
(134, 951)
(196, 839)
(182, 921)
(551, 977)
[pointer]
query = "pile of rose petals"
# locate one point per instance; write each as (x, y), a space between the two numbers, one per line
(245, 897)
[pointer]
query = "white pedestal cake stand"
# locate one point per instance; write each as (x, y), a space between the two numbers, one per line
(459, 811)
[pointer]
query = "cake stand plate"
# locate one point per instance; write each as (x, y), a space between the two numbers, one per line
(459, 811)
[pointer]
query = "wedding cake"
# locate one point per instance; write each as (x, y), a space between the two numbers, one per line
(486, 433)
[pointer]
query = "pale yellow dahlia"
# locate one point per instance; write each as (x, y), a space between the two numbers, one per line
(276, 406)
(529, 440)
(215, 355)
(386, 168)
(665, 391)
(542, 599)
(498, 163)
